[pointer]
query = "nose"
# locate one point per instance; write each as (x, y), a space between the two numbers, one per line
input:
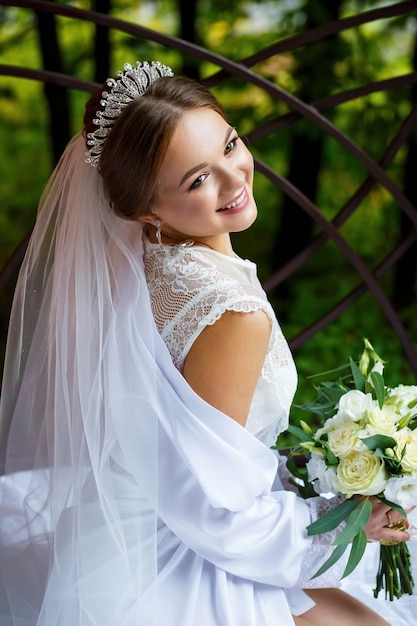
(232, 177)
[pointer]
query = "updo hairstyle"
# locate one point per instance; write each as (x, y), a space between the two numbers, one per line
(134, 151)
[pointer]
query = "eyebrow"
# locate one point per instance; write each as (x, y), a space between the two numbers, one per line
(200, 166)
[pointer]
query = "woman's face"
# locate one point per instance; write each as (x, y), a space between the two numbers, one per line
(205, 185)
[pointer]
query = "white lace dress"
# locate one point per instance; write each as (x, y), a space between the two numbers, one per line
(190, 288)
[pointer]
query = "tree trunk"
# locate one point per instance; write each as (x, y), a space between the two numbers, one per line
(56, 96)
(315, 76)
(102, 44)
(188, 32)
(405, 279)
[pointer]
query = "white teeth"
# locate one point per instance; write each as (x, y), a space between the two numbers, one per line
(236, 202)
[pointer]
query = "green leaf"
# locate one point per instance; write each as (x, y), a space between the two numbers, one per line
(378, 384)
(333, 392)
(333, 371)
(379, 441)
(331, 457)
(333, 518)
(305, 491)
(335, 556)
(355, 522)
(393, 505)
(299, 433)
(320, 408)
(413, 423)
(358, 377)
(356, 552)
(296, 470)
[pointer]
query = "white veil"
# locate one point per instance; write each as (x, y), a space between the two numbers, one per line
(89, 390)
(67, 370)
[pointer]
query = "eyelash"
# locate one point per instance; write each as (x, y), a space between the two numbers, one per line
(233, 141)
(202, 177)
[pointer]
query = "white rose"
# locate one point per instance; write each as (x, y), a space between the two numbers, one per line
(409, 461)
(345, 438)
(401, 437)
(382, 421)
(402, 490)
(361, 473)
(322, 477)
(404, 395)
(354, 404)
(330, 424)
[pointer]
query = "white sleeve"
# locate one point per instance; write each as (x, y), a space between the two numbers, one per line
(215, 493)
(319, 549)
(264, 542)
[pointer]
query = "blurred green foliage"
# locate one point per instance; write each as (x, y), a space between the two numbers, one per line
(237, 29)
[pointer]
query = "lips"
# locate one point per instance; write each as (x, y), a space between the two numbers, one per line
(236, 202)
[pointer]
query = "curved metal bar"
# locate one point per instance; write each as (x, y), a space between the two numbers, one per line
(71, 82)
(309, 332)
(349, 253)
(240, 71)
(315, 34)
(331, 101)
(202, 53)
(55, 78)
(300, 109)
(307, 252)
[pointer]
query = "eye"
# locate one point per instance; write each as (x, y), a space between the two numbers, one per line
(231, 145)
(198, 181)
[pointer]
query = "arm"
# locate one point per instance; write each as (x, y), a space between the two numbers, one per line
(225, 362)
(223, 367)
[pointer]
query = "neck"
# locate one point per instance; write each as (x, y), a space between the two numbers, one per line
(218, 244)
(165, 238)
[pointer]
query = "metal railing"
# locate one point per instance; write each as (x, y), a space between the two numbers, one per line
(329, 229)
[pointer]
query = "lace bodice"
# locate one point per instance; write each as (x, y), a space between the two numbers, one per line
(190, 288)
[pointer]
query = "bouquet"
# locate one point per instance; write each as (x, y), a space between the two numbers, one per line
(366, 446)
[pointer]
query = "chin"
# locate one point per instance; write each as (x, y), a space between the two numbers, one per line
(251, 212)
(248, 217)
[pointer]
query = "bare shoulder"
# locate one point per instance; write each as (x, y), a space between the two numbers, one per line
(226, 360)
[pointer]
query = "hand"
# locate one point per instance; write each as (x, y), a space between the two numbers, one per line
(379, 523)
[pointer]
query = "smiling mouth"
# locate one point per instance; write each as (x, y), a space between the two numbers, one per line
(235, 203)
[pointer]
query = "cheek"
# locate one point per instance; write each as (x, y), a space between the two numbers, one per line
(247, 162)
(190, 210)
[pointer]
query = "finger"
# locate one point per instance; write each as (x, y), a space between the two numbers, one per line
(394, 536)
(395, 518)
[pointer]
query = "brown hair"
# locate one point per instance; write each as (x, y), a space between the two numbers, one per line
(136, 146)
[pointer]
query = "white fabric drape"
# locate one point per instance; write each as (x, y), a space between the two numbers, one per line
(116, 474)
(61, 384)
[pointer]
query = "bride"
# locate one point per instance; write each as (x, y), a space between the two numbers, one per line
(146, 378)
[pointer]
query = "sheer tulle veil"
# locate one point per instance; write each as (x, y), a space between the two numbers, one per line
(89, 390)
(67, 372)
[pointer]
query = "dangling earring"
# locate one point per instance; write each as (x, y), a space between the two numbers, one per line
(157, 224)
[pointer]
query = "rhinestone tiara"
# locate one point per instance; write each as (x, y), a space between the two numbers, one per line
(130, 85)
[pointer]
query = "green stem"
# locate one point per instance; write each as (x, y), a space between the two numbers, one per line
(394, 571)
